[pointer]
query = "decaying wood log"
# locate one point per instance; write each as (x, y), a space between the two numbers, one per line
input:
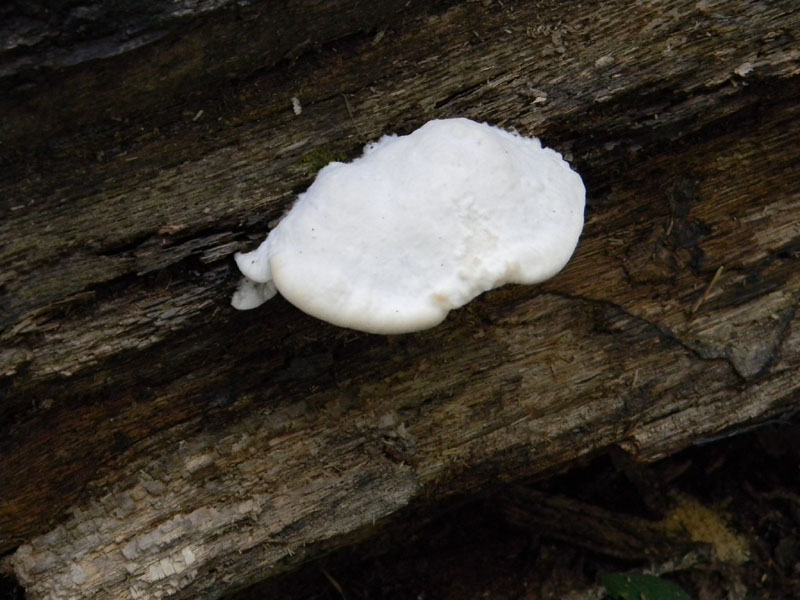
(592, 527)
(157, 443)
(161, 52)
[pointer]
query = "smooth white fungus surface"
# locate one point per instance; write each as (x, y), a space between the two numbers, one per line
(419, 225)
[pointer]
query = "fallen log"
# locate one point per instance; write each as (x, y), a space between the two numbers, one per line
(155, 442)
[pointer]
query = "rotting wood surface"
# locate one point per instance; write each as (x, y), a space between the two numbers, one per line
(155, 442)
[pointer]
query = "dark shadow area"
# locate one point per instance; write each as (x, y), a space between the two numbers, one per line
(691, 507)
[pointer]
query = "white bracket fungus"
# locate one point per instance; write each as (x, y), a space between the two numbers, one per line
(419, 225)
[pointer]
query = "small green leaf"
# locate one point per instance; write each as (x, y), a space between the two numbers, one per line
(637, 586)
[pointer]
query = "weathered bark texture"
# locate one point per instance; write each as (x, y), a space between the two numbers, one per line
(154, 442)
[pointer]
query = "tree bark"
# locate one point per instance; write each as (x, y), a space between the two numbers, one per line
(155, 442)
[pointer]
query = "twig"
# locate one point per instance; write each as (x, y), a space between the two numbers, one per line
(702, 298)
(334, 583)
(352, 118)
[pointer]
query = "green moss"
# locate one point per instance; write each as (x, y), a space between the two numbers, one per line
(317, 159)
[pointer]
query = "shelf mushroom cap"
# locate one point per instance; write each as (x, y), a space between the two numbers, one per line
(419, 225)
